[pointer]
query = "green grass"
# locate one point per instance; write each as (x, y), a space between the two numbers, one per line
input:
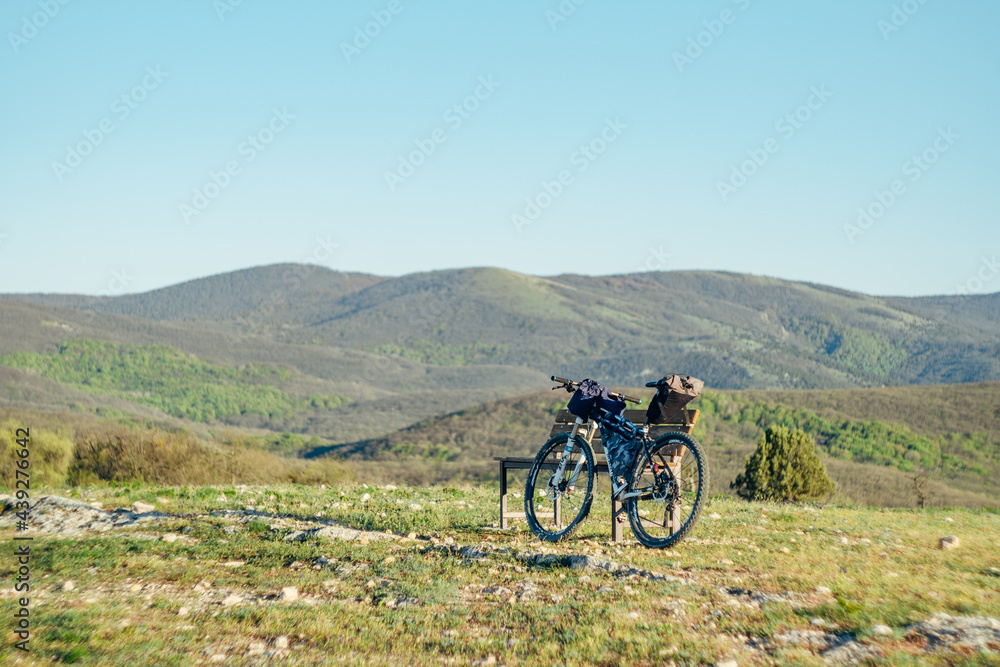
(179, 384)
(129, 588)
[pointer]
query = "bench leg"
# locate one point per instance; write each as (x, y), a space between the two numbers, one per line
(617, 527)
(503, 495)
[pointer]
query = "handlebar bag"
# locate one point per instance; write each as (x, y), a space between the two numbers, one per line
(584, 399)
(673, 392)
(590, 397)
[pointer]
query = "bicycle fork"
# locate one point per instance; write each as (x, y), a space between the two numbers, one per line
(565, 459)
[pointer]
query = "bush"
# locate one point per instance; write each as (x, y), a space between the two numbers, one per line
(785, 466)
(121, 454)
(50, 454)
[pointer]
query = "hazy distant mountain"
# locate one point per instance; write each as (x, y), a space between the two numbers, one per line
(733, 330)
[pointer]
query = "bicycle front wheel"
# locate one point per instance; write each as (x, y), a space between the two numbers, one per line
(671, 487)
(560, 487)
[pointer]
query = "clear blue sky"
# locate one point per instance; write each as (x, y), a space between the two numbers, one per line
(198, 80)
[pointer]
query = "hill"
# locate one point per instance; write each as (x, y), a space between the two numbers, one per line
(874, 441)
(735, 331)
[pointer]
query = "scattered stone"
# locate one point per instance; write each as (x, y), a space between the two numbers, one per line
(823, 590)
(714, 515)
(68, 585)
(949, 542)
(232, 599)
(183, 611)
(218, 657)
(881, 630)
(229, 530)
(365, 498)
(727, 663)
(844, 540)
(220, 499)
(96, 505)
(256, 648)
(949, 519)
(416, 506)
(234, 563)
(818, 622)
(135, 588)
(785, 550)
(411, 536)
(170, 538)
(142, 508)
(964, 633)
(281, 642)
(389, 560)
(289, 594)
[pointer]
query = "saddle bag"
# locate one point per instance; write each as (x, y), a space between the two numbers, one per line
(673, 392)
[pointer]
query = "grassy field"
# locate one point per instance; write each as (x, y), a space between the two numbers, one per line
(756, 583)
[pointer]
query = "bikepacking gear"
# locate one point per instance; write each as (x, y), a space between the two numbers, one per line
(591, 397)
(619, 450)
(673, 392)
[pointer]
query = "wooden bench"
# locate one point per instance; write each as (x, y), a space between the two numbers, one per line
(564, 424)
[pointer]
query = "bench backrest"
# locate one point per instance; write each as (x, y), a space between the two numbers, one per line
(565, 420)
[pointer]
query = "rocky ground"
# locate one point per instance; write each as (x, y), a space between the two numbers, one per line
(721, 601)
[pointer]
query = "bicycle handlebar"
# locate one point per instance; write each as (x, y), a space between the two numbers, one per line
(568, 385)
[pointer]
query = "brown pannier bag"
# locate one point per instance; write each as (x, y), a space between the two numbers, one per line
(673, 392)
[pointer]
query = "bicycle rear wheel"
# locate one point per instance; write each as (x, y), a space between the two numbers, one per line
(672, 486)
(560, 487)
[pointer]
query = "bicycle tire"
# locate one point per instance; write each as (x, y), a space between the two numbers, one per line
(639, 469)
(543, 462)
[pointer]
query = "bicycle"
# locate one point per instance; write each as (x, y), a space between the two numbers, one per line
(666, 477)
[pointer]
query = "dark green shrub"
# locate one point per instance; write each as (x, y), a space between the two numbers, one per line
(785, 466)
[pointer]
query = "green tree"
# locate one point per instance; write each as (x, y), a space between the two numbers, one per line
(785, 466)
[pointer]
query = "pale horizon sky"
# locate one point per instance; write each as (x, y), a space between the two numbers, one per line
(153, 143)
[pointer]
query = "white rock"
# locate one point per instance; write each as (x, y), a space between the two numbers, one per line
(256, 648)
(289, 594)
(844, 540)
(234, 563)
(881, 630)
(218, 657)
(365, 498)
(823, 590)
(281, 642)
(68, 585)
(170, 537)
(231, 600)
(390, 487)
(714, 515)
(220, 499)
(949, 542)
(142, 508)
(416, 506)
(727, 663)
(949, 519)
(183, 611)
(818, 622)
